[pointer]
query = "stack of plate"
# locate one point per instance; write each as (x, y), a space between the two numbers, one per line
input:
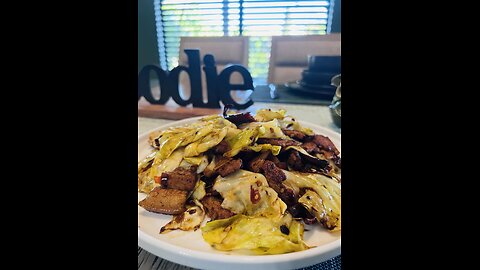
(317, 78)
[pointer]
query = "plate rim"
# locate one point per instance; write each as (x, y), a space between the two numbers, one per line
(207, 260)
(297, 87)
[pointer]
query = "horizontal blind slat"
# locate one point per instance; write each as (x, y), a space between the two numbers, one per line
(260, 20)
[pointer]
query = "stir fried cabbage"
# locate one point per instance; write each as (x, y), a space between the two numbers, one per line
(210, 140)
(295, 125)
(275, 149)
(191, 219)
(243, 139)
(248, 193)
(270, 129)
(265, 115)
(259, 235)
(322, 198)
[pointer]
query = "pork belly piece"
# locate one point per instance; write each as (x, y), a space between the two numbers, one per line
(275, 176)
(310, 147)
(180, 178)
(272, 172)
(294, 134)
(277, 162)
(239, 118)
(214, 209)
(228, 166)
(221, 148)
(223, 166)
(255, 165)
(324, 143)
(165, 201)
(295, 161)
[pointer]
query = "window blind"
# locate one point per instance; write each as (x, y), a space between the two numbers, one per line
(259, 19)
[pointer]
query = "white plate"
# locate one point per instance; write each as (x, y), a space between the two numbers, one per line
(189, 248)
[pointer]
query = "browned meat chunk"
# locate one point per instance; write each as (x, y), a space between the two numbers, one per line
(165, 201)
(325, 143)
(272, 172)
(240, 118)
(221, 148)
(180, 178)
(214, 209)
(294, 134)
(228, 167)
(256, 164)
(283, 143)
(277, 162)
(295, 161)
(311, 147)
(282, 165)
(275, 176)
(288, 196)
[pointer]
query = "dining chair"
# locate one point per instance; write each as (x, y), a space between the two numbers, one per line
(226, 50)
(289, 54)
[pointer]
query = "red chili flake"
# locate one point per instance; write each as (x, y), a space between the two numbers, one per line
(254, 195)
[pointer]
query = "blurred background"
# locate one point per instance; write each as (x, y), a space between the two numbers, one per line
(161, 24)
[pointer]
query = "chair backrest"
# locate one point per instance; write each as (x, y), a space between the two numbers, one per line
(289, 54)
(226, 50)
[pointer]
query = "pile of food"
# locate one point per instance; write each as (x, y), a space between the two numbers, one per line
(257, 178)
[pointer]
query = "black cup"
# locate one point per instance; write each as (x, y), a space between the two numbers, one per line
(321, 63)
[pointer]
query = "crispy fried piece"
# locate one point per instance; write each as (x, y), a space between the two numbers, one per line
(221, 148)
(256, 164)
(324, 143)
(273, 159)
(273, 173)
(294, 134)
(229, 166)
(223, 166)
(277, 162)
(275, 177)
(295, 161)
(310, 147)
(287, 195)
(240, 118)
(214, 209)
(180, 178)
(165, 201)
(282, 142)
